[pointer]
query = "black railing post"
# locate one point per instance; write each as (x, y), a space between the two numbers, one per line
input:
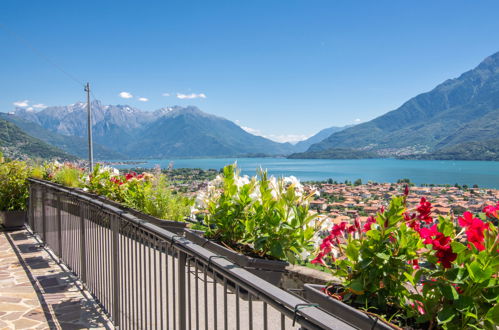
(115, 227)
(59, 226)
(182, 313)
(83, 252)
(44, 218)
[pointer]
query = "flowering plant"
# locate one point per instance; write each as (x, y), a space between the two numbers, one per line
(265, 215)
(14, 191)
(413, 268)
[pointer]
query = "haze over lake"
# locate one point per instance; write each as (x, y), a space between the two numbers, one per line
(484, 174)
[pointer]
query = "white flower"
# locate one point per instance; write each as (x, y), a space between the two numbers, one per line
(241, 180)
(304, 255)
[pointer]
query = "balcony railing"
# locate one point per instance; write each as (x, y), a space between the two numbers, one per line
(145, 277)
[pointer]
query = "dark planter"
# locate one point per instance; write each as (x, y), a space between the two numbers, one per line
(348, 314)
(13, 219)
(271, 271)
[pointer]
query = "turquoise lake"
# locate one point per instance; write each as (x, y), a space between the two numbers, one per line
(484, 174)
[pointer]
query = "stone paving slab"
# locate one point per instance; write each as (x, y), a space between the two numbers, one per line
(37, 293)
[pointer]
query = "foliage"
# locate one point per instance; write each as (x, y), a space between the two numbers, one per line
(267, 215)
(430, 271)
(14, 191)
(68, 175)
(157, 198)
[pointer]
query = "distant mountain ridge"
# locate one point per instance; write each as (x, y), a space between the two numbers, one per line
(73, 145)
(167, 132)
(16, 144)
(316, 138)
(456, 112)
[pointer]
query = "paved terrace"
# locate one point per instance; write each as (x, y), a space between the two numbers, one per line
(36, 292)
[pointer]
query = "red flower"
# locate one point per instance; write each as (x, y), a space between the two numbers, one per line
(424, 210)
(415, 264)
(318, 259)
(492, 211)
(357, 223)
(116, 181)
(446, 256)
(474, 229)
(406, 190)
(440, 243)
(338, 229)
(351, 229)
(367, 226)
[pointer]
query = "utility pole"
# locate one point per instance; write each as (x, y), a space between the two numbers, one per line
(89, 113)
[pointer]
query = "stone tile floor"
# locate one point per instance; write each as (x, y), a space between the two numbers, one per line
(38, 293)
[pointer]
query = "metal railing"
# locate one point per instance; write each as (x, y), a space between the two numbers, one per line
(145, 277)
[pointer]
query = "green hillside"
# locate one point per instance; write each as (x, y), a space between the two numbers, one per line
(16, 144)
(460, 110)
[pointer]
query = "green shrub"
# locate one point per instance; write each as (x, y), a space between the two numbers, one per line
(14, 190)
(267, 215)
(68, 176)
(162, 202)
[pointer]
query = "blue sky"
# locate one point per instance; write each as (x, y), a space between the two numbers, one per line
(284, 69)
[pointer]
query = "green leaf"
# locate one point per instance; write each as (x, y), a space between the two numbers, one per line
(383, 256)
(409, 277)
(463, 303)
(446, 315)
(352, 251)
(493, 314)
(458, 247)
(357, 287)
(478, 274)
(449, 292)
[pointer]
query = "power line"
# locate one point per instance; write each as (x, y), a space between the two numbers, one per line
(38, 53)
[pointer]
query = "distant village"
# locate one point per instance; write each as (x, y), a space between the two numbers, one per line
(345, 202)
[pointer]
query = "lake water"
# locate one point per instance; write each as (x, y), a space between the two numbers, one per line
(484, 174)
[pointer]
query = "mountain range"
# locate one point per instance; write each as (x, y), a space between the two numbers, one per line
(123, 130)
(455, 119)
(458, 119)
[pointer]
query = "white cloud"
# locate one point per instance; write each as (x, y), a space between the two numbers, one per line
(126, 95)
(29, 108)
(357, 120)
(39, 106)
(143, 99)
(191, 96)
(21, 104)
(166, 94)
(291, 138)
(252, 130)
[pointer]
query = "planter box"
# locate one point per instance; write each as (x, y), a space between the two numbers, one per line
(13, 219)
(346, 313)
(270, 270)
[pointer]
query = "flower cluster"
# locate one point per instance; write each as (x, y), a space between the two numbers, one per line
(451, 264)
(264, 214)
